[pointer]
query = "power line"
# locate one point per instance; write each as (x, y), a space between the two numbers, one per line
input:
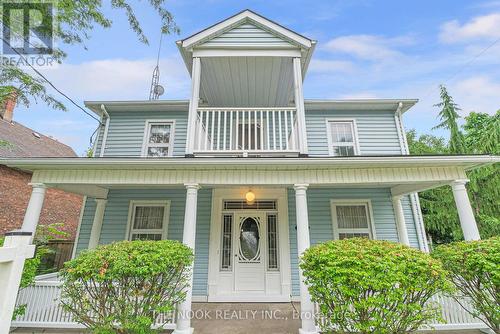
(51, 84)
(466, 64)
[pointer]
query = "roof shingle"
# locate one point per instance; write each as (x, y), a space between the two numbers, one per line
(18, 141)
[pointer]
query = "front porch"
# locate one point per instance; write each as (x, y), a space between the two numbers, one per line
(245, 252)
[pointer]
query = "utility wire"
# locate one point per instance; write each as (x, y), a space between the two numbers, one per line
(51, 84)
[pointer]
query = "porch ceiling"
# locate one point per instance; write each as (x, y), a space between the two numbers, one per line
(246, 81)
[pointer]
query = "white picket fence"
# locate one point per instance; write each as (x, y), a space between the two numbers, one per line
(454, 316)
(44, 309)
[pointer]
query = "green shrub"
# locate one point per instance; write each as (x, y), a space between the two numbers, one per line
(474, 268)
(122, 287)
(372, 286)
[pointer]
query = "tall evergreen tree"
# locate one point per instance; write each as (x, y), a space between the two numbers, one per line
(449, 120)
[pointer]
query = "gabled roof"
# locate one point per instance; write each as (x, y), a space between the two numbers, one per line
(257, 31)
(18, 141)
(246, 16)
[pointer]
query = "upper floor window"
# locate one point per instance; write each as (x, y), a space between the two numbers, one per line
(148, 220)
(158, 139)
(352, 219)
(342, 138)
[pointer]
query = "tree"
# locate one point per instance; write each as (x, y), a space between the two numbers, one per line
(449, 116)
(73, 23)
(474, 269)
(372, 286)
(481, 133)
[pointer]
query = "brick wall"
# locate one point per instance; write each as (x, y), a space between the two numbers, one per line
(58, 207)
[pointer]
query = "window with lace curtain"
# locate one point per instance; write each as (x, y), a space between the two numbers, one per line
(148, 220)
(352, 219)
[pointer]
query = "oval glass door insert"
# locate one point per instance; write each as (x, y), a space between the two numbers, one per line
(249, 239)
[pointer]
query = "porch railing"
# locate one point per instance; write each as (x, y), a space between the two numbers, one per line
(454, 316)
(246, 130)
(44, 309)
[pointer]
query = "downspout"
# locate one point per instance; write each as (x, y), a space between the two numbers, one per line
(106, 128)
(414, 200)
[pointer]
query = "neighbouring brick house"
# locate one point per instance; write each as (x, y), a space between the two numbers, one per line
(18, 141)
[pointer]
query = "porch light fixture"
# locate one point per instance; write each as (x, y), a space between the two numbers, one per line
(250, 197)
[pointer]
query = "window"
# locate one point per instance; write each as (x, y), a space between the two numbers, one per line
(158, 140)
(272, 242)
(342, 138)
(149, 220)
(249, 136)
(351, 219)
(227, 242)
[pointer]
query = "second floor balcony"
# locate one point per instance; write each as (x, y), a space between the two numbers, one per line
(246, 131)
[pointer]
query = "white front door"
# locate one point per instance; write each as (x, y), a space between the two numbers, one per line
(249, 247)
(249, 252)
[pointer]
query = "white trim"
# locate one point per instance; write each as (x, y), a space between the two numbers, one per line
(147, 131)
(77, 236)
(131, 211)
(369, 211)
(354, 127)
(290, 53)
(218, 196)
(418, 219)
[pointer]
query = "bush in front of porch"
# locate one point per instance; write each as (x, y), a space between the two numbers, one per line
(128, 286)
(474, 268)
(372, 286)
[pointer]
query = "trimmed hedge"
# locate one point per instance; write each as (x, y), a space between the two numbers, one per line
(474, 268)
(122, 287)
(372, 286)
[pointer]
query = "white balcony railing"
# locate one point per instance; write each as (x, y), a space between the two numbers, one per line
(246, 130)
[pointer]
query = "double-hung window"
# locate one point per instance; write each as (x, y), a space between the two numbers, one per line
(351, 219)
(148, 220)
(158, 139)
(342, 138)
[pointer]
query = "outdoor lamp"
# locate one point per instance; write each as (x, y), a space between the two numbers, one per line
(250, 196)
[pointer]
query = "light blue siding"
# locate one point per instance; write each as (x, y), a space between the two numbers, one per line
(376, 131)
(320, 220)
(247, 34)
(116, 216)
(126, 132)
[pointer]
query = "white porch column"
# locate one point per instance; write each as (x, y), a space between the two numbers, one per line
(299, 104)
(306, 306)
(16, 249)
(193, 105)
(34, 208)
(400, 220)
(95, 232)
(183, 325)
(465, 213)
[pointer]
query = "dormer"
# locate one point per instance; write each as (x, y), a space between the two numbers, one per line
(247, 74)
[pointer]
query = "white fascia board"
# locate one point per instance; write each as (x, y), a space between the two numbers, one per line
(236, 19)
(466, 162)
(247, 53)
(365, 104)
(95, 106)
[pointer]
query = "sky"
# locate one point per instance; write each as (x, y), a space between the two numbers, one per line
(366, 49)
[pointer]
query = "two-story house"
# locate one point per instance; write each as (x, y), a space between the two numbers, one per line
(248, 172)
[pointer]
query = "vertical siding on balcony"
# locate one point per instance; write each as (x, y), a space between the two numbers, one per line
(116, 216)
(320, 221)
(126, 132)
(376, 131)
